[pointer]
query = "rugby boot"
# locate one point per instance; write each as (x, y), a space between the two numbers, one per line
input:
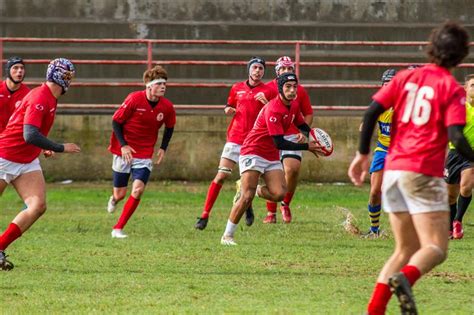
(118, 233)
(400, 286)
(201, 223)
(458, 232)
(271, 218)
(285, 213)
(249, 216)
(111, 205)
(5, 264)
(228, 241)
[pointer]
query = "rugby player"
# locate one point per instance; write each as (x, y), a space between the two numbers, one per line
(23, 140)
(135, 131)
(429, 108)
(384, 123)
(245, 101)
(291, 159)
(260, 154)
(12, 89)
(459, 172)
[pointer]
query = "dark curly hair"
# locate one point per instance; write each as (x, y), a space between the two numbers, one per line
(448, 46)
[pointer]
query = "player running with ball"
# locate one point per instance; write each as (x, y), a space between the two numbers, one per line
(245, 101)
(291, 159)
(260, 154)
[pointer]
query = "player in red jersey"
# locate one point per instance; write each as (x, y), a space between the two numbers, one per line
(12, 90)
(429, 108)
(245, 101)
(135, 131)
(291, 159)
(260, 154)
(22, 142)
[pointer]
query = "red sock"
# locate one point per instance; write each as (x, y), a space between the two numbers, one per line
(11, 233)
(412, 273)
(271, 207)
(127, 212)
(211, 197)
(288, 197)
(379, 300)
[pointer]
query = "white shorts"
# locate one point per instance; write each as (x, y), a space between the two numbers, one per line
(256, 163)
(295, 153)
(231, 151)
(119, 165)
(9, 170)
(404, 191)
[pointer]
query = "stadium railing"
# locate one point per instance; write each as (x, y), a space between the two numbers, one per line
(149, 62)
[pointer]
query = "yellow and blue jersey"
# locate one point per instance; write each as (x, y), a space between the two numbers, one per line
(384, 123)
(469, 128)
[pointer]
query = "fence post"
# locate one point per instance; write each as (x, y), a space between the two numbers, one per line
(297, 59)
(149, 55)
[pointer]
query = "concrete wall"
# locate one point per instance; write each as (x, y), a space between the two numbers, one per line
(196, 146)
(194, 151)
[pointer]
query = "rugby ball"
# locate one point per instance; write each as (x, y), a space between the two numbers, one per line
(323, 139)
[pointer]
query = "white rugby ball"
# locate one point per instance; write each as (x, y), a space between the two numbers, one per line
(323, 139)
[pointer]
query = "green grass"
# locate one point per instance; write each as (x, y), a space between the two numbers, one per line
(68, 263)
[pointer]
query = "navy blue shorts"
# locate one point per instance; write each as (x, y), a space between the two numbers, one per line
(378, 161)
(121, 179)
(455, 164)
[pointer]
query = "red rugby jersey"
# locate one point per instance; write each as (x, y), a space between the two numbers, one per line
(242, 98)
(426, 101)
(141, 123)
(9, 101)
(274, 119)
(38, 108)
(302, 98)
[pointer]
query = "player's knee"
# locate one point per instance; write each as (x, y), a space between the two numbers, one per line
(247, 196)
(466, 190)
(222, 174)
(38, 207)
(440, 254)
(118, 196)
(137, 192)
(279, 193)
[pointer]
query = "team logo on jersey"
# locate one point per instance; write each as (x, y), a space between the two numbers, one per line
(17, 104)
(160, 117)
(39, 107)
(273, 119)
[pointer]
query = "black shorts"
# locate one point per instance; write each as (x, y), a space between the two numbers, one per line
(455, 164)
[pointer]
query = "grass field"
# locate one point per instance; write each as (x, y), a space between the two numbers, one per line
(68, 263)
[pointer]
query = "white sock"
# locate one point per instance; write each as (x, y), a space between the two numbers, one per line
(230, 229)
